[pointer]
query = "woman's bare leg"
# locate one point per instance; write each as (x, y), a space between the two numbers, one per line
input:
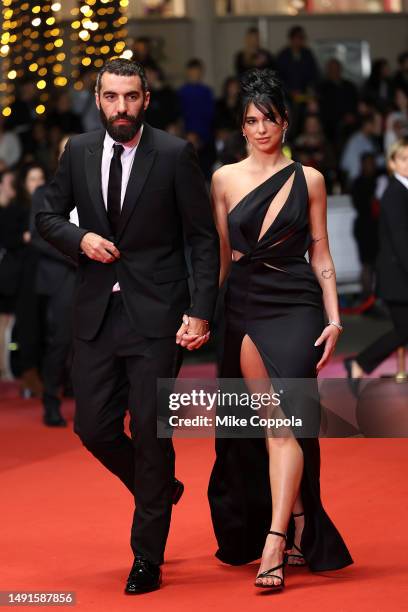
(285, 469)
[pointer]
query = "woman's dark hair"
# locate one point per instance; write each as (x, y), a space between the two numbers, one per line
(122, 67)
(22, 194)
(263, 89)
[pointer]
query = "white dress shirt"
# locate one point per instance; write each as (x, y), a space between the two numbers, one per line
(127, 158)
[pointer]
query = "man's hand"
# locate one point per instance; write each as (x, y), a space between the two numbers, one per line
(99, 249)
(193, 333)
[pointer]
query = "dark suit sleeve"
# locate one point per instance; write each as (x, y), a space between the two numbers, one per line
(200, 232)
(395, 215)
(38, 203)
(53, 219)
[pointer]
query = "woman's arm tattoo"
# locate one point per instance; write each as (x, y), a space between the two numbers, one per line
(318, 239)
(328, 273)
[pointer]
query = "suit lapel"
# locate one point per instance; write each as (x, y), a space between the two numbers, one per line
(93, 163)
(142, 163)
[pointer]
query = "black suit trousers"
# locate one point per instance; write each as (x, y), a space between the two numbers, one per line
(58, 339)
(116, 371)
(382, 348)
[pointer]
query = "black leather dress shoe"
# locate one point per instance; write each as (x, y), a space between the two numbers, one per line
(53, 418)
(144, 577)
(178, 490)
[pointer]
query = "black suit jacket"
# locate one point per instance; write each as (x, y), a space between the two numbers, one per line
(392, 264)
(166, 202)
(54, 270)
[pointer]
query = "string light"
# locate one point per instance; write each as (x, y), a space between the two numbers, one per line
(32, 44)
(97, 29)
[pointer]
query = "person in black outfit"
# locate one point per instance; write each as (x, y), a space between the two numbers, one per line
(28, 318)
(338, 100)
(252, 55)
(226, 107)
(378, 87)
(400, 80)
(392, 267)
(132, 292)
(363, 195)
(163, 111)
(270, 213)
(13, 238)
(54, 283)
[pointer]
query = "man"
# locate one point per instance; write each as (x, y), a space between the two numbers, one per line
(252, 55)
(362, 141)
(338, 100)
(138, 192)
(297, 65)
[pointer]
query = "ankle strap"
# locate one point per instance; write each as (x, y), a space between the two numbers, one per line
(298, 514)
(282, 535)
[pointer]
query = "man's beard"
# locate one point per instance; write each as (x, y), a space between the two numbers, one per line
(122, 132)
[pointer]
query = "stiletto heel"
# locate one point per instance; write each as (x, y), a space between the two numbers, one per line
(268, 573)
(299, 554)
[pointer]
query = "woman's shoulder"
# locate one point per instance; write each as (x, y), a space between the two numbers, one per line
(227, 173)
(313, 177)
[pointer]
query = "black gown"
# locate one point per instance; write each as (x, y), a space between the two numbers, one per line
(273, 297)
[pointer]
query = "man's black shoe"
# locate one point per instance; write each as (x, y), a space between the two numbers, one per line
(178, 490)
(53, 418)
(144, 577)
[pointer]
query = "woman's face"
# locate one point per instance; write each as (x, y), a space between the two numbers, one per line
(399, 164)
(262, 133)
(35, 178)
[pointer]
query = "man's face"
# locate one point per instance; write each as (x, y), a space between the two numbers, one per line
(122, 104)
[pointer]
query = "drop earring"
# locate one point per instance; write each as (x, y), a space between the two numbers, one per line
(283, 135)
(246, 138)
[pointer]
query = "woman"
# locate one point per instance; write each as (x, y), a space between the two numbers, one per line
(269, 212)
(392, 267)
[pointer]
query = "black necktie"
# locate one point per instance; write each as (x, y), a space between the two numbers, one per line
(115, 187)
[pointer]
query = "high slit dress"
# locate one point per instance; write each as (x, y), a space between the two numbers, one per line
(274, 298)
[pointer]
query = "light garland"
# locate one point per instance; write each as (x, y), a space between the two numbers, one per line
(32, 44)
(98, 33)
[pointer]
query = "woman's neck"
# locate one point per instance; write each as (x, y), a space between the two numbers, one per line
(268, 160)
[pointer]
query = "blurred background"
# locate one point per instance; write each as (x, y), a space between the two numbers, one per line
(344, 64)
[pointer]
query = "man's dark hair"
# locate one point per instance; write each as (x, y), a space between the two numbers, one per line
(296, 31)
(194, 63)
(402, 57)
(122, 67)
(252, 30)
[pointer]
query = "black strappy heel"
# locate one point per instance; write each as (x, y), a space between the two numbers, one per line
(299, 554)
(268, 574)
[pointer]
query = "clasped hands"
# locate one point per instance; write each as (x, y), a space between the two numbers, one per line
(193, 332)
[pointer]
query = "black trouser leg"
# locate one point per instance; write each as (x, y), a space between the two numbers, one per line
(115, 371)
(382, 348)
(58, 341)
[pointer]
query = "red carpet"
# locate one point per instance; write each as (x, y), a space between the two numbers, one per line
(65, 526)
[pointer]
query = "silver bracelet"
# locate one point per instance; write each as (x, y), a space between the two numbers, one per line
(336, 324)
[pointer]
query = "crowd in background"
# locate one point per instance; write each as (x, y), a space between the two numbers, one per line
(342, 130)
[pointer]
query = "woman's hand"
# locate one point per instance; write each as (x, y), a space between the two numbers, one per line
(329, 335)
